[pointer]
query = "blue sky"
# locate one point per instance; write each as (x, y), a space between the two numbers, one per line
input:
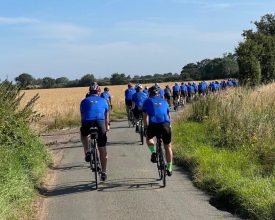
(71, 38)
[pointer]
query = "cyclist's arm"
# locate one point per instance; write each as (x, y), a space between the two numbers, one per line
(107, 120)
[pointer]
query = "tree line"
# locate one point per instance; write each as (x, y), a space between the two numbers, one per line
(207, 69)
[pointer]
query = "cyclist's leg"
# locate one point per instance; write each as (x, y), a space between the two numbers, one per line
(84, 133)
(102, 141)
(150, 134)
(166, 136)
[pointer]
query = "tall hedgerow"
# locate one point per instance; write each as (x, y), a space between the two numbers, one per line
(23, 158)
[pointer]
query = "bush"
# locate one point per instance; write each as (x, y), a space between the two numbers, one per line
(23, 157)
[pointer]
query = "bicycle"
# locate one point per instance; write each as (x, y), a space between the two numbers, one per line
(130, 116)
(161, 160)
(176, 104)
(181, 102)
(141, 129)
(95, 163)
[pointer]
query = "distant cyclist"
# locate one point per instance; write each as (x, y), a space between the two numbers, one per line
(157, 121)
(137, 103)
(107, 96)
(95, 113)
(176, 94)
(183, 92)
(161, 91)
(168, 94)
(145, 90)
(128, 96)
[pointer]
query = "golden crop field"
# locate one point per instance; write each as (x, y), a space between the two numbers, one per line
(64, 102)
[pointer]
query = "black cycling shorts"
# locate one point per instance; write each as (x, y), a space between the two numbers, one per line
(163, 129)
(128, 103)
(175, 95)
(167, 96)
(102, 136)
(183, 93)
(137, 113)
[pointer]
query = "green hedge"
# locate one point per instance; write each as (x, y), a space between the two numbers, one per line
(23, 158)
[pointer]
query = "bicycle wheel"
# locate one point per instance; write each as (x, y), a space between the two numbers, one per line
(141, 132)
(96, 158)
(129, 119)
(163, 166)
(159, 159)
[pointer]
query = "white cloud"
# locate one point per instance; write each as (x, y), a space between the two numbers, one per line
(56, 31)
(17, 20)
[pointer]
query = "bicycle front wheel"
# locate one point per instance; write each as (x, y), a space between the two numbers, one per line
(141, 133)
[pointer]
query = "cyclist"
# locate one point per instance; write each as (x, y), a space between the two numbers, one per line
(176, 94)
(128, 97)
(183, 92)
(167, 94)
(201, 89)
(145, 90)
(95, 113)
(137, 102)
(161, 91)
(190, 91)
(107, 96)
(156, 119)
(195, 88)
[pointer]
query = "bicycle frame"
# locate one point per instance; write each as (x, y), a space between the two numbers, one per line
(161, 160)
(95, 163)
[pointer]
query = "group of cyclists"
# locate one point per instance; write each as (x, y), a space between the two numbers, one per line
(151, 104)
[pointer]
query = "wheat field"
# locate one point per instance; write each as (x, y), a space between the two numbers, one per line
(64, 102)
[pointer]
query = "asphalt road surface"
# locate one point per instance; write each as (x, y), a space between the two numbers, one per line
(132, 190)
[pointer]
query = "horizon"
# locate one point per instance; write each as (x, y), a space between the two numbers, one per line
(71, 39)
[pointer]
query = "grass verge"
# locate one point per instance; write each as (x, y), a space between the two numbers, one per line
(232, 176)
(228, 144)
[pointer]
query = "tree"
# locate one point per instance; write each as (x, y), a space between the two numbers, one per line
(248, 61)
(24, 80)
(48, 82)
(62, 81)
(264, 38)
(86, 80)
(118, 79)
(190, 72)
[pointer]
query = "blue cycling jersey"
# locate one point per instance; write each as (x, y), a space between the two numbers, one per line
(167, 91)
(157, 110)
(146, 91)
(183, 88)
(201, 87)
(129, 94)
(190, 88)
(93, 108)
(161, 93)
(176, 88)
(106, 95)
(139, 98)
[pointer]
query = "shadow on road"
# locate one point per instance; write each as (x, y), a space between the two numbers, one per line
(122, 143)
(66, 147)
(67, 189)
(131, 184)
(69, 167)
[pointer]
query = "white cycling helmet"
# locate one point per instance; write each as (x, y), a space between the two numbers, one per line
(138, 86)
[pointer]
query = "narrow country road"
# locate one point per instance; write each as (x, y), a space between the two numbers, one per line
(132, 190)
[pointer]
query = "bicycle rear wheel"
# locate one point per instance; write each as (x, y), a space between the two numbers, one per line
(96, 164)
(161, 163)
(141, 132)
